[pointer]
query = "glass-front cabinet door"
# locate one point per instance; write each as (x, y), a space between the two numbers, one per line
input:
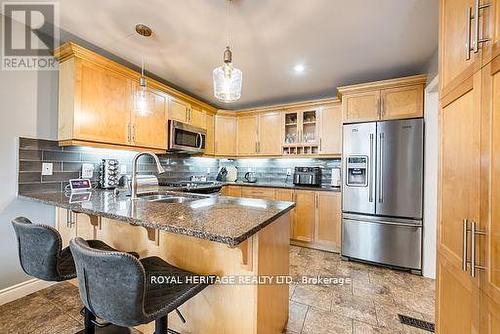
(309, 128)
(301, 136)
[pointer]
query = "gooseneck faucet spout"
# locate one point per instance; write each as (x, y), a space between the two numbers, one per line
(159, 167)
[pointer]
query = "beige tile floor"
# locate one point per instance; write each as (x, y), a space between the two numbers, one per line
(369, 304)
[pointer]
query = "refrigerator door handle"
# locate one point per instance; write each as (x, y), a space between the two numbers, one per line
(381, 170)
(371, 166)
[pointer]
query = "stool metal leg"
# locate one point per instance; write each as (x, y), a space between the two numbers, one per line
(88, 322)
(161, 325)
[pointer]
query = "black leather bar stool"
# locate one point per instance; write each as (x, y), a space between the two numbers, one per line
(117, 287)
(41, 254)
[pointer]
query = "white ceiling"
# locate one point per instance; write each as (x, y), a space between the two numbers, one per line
(338, 41)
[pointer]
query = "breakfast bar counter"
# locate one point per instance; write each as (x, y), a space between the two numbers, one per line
(233, 238)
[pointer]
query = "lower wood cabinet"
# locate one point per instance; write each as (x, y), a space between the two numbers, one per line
(71, 225)
(315, 221)
(328, 220)
(258, 192)
(303, 227)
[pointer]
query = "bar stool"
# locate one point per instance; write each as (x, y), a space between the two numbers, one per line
(118, 287)
(41, 254)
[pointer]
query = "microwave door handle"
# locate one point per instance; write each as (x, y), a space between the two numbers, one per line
(201, 141)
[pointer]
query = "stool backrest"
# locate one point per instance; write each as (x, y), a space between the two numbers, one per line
(111, 283)
(39, 247)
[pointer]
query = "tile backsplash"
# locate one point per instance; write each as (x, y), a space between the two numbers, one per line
(67, 164)
(275, 169)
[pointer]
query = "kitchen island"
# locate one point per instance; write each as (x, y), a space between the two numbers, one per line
(225, 236)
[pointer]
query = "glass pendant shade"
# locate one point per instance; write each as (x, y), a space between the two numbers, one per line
(141, 98)
(227, 83)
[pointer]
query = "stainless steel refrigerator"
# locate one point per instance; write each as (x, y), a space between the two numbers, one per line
(382, 192)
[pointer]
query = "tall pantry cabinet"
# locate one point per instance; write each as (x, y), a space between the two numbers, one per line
(468, 264)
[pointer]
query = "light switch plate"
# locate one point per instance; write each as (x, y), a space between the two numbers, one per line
(123, 169)
(87, 171)
(288, 172)
(47, 168)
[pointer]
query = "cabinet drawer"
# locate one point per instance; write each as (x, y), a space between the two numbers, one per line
(260, 193)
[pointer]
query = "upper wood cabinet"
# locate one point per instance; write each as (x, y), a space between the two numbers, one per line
(258, 135)
(330, 141)
(247, 134)
(184, 112)
(210, 138)
(95, 104)
(198, 117)
(149, 126)
(383, 100)
(225, 135)
(361, 107)
(269, 142)
(178, 110)
(467, 43)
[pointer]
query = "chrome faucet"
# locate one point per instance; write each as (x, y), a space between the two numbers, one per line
(133, 193)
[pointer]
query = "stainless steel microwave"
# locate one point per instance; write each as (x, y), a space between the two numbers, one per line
(186, 138)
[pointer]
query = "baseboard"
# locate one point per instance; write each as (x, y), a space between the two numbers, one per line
(22, 289)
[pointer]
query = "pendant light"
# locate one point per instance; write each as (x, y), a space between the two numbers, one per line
(227, 78)
(141, 95)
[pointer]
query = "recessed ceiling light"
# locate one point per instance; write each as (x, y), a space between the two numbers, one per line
(299, 68)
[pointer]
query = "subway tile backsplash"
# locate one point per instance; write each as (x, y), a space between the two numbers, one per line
(67, 164)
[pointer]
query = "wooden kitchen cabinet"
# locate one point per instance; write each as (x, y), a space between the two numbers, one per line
(331, 130)
(99, 106)
(361, 107)
(402, 102)
(489, 244)
(225, 135)
(149, 127)
(269, 142)
(303, 227)
(247, 134)
(287, 195)
(454, 25)
(383, 100)
(490, 29)
(328, 220)
(178, 110)
(210, 138)
(258, 192)
(70, 225)
(460, 202)
(94, 104)
(197, 117)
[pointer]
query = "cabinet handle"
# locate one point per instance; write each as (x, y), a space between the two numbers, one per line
(464, 245)
(477, 8)
(468, 48)
(256, 147)
(473, 265)
(382, 111)
(317, 200)
(133, 133)
(320, 144)
(129, 133)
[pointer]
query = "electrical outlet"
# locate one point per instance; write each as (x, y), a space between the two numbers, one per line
(249, 169)
(288, 172)
(123, 169)
(87, 171)
(47, 168)
(208, 171)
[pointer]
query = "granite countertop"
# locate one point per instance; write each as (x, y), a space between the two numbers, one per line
(283, 185)
(227, 220)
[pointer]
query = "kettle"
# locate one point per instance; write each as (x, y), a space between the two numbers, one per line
(250, 177)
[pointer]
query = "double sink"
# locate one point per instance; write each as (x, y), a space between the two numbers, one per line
(171, 198)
